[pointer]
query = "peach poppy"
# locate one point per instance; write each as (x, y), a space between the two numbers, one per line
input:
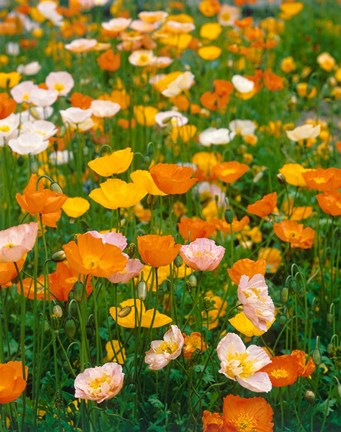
(282, 371)
(157, 250)
(90, 256)
(41, 201)
(13, 382)
(172, 178)
(295, 234)
(264, 206)
(323, 179)
(109, 61)
(191, 229)
(247, 414)
(330, 202)
(202, 254)
(115, 163)
(132, 313)
(246, 267)
(16, 241)
(229, 172)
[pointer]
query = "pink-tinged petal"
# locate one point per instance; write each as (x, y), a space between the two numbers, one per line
(156, 361)
(259, 382)
(116, 239)
(132, 269)
(259, 356)
(231, 343)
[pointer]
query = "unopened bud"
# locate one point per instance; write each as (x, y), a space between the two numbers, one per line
(34, 167)
(192, 281)
(229, 214)
(70, 328)
(54, 187)
(330, 348)
(79, 291)
(316, 353)
(58, 256)
(131, 250)
(57, 311)
(142, 290)
(330, 318)
(284, 295)
(124, 312)
(178, 261)
(310, 396)
(282, 320)
(281, 179)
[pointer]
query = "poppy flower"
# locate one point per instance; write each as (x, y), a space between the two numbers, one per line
(145, 115)
(257, 304)
(8, 271)
(75, 207)
(209, 53)
(157, 250)
(185, 133)
(115, 352)
(264, 206)
(99, 383)
(82, 101)
(194, 228)
(253, 414)
(172, 178)
(116, 193)
(164, 351)
(293, 174)
(90, 256)
(132, 313)
(323, 179)
(282, 371)
(13, 382)
(212, 422)
(7, 105)
(193, 342)
(116, 163)
(242, 364)
(144, 180)
(330, 202)
(246, 267)
(42, 201)
(242, 324)
(229, 172)
(202, 254)
(295, 234)
(16, 241)
(305, 368)
(304, 132)
(273, 258)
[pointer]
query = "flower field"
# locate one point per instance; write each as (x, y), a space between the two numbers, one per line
(170, 215)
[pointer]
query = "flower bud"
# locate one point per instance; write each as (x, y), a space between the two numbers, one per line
(285, 295)
(193, 281)
(79, 293)
(131, 250)
(58, 256)
(142, 290)
(330, 318)
(316, 353)
(229, 214)
(124, 312)
(34, 167)
(282, 320)
(310, 396)
(178, 261)
(281, 179)
(57, 311)
(54, 187)
(70, 328)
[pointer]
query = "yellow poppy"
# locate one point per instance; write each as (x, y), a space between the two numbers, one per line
(115, 352)
(209, 53)
(210, 31)
(115, 163)
(241, 323)
(143, 179)
(75, 207)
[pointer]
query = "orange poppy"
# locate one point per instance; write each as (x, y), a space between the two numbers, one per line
(247, 414)
(264, 206)
(8, 271)
(157, 250)
(330, 202)
(191, 229)
(272, 81)
(305, 368)
(209, 8)
(246, 267)
(79, 100)
(212, 422)
(109, 61)
(235, 226)
(90, 256)
(193, 342)
(272, 257)
(323, 179)
(295, 234)
(12, 381)
(41, 201)
(7, 105)
(172, 179)
(229, 172)
(282, 371)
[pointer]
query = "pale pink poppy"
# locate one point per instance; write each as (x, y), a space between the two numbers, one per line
(28, 142)
(242, 84)
(133, 268)
(257, 304)
(154, 17)
(42, 97)
(116, 25)
(77, 118)
(202, 254)
(181, 83)
(173, 118)
(49, 10)
(228, 15)
(178, 28)
(113, 238)
(29, 69)
(164, 351)
(161, 62)
(22, 92)
(9, 125)
(142, 26)
(43, 128)
(62, 82)
(81, 45)
(104, 108)
(99, 383)
(141, 58)
(242, 364)
(15, 242)
(306, 131)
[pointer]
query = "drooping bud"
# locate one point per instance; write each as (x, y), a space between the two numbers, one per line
(79, 293)
(310, 396)
(57, 311)
(192, 280)
(281, 179)
(285, 295)
(124, 312)
(178, 261)
(70, 328)
(54, 187)
(58, 256)
(317, 353)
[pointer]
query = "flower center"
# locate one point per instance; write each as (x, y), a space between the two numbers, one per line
(4, 128)
(166, 347)
(59, 87)
(95, 386)
(245, 423)
(279, 373)
(9, 245)
(91, 261)
(239, 365)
